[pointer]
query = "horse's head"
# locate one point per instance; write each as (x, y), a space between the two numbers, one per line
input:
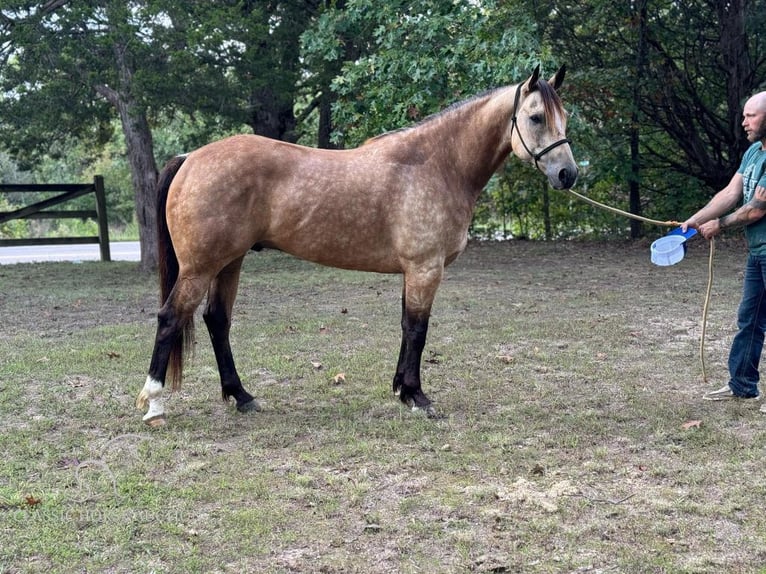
(538, 129)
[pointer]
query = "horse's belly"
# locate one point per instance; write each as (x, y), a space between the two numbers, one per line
(345, 251)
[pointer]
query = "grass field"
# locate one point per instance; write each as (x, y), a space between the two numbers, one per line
(574, 438)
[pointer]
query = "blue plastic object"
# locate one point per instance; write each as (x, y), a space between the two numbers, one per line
(691, 232)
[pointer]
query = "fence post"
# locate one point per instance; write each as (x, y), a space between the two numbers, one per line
(103, 226)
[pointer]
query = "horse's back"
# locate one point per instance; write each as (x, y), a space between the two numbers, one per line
(329, 206)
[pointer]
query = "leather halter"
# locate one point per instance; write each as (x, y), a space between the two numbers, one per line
(515, 124)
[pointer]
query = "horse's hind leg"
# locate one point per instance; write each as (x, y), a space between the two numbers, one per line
(172, 320)
(217, 316)
(417, 297)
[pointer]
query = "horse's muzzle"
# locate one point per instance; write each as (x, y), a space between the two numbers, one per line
(567, 178)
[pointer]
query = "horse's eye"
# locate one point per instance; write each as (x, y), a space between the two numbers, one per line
(536, 119)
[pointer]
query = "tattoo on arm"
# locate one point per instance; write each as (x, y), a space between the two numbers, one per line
(751, 212)
(757, 205)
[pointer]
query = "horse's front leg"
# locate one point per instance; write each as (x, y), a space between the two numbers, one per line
(417, 298)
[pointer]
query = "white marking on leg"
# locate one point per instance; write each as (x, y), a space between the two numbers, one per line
(151, 395)
(156, 410)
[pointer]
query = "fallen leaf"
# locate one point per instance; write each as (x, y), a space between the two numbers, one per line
(31, 500)
(316, 364)
(691, 425)
(507, 359)
(113, 355)
(339, 378)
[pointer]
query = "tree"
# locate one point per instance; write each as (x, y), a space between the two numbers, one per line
(401, 61)
(667, 81)
(72, 65)
(69, 66)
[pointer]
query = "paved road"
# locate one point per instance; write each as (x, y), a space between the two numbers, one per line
(119, 250)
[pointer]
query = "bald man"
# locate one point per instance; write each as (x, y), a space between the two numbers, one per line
(747, 188)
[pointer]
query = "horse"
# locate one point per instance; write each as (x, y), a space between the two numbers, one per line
(400, 203)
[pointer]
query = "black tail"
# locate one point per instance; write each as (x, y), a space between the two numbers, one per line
(168, 268)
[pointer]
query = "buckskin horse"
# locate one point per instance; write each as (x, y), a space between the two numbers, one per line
(400, 203)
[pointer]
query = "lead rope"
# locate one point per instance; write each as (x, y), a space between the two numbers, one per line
(704, 309)
(668, 224)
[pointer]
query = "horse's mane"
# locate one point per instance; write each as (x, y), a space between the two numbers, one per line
(552, 106)
(435, 116)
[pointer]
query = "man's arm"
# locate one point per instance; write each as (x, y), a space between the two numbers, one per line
(749, 213)
(722, 202)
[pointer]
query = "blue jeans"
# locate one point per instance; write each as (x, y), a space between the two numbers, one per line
(745, 353)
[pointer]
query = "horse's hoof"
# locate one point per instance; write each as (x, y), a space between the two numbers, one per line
(156, 421)
(249, 407)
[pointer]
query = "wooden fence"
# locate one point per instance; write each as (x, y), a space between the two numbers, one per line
(39, 210)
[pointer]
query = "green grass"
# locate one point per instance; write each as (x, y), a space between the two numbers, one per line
(566, 373)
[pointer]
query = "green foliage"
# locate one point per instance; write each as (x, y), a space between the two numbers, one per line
(418, 57)
(10, 172)
(15, 227)
(200, 70)
(675, 73)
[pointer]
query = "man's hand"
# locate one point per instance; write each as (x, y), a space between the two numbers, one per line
(710, 229)
(691, 222)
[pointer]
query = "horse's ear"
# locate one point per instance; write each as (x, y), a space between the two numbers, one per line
(558, 78)
(531, 84)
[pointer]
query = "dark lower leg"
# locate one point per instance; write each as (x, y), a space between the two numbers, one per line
(217, 316)
(169, 329)
(218, 325)
(407, 379)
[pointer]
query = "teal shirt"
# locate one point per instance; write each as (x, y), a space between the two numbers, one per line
(753, 170)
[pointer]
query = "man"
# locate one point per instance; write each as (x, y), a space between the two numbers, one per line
(748, 186)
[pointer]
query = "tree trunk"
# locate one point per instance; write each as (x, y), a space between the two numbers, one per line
(547, 212)
(272, 115)
(325, 121)
(636, 229)
(143, 171)
(140, 151)
(737, 67)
